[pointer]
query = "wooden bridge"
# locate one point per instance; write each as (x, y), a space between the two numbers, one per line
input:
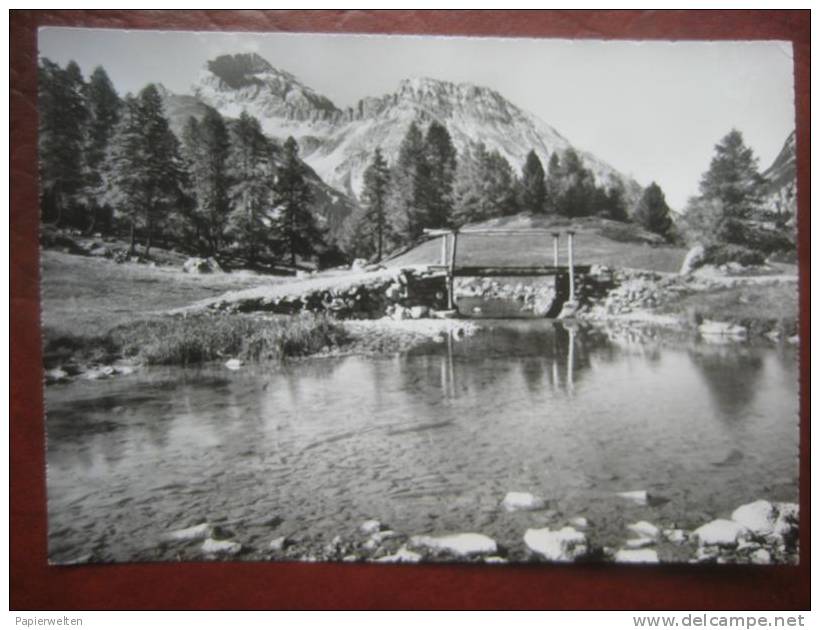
(449, 250)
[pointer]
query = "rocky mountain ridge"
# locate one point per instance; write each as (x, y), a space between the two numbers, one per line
(338, 143)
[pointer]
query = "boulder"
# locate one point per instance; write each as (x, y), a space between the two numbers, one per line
(358, 264)
(721, 532)
(694, 258)
(580, 522)
(522, 501)
(637, 556)
(643, 528)
(458, 544)
(677, 536)
(758, 517)
(233, 364)
(278, 544)
(418, 312)
(221, 547)
(57, 375)
(761, 556)
(639, 543)
(197, 532)
(200, 265)
(370, 527)
(563, 545)
(402, 555)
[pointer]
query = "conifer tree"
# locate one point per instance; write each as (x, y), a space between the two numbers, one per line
(439, 169)
(251, 172)
(206, 152)
(733, 178)
(373, 228)
(103, 113)
(533, 186)
(294, 224)
(652, 212)
(409, 174)
(62, 126)
(145, 172)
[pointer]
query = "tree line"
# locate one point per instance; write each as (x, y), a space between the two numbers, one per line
(114, 165)
(431, 185)
(223, 188)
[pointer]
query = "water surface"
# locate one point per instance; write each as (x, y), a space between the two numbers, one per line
(428, 442)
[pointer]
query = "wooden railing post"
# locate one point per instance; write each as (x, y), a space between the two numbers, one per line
(555, 236)
(570, 262)
(451, 285)
(444, 249)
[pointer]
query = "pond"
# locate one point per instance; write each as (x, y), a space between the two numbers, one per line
(428, 442)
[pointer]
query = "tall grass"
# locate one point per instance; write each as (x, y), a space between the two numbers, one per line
(200, 338)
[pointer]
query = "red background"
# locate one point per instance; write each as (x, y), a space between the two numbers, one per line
(35, 585)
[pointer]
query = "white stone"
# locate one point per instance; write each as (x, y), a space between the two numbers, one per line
(720, 532)
(693, 257)
(787, 519)
(370, 527)
(580, 522)
(677, 536)
(637, 496)
(378, 537)
(761, 556)
(495, 560)
(418, 312)
(722, 329)
(277, 544)
(644, 528)
(233, 364)
(758, 517)
(794, 340)
(522, 501)
(402, 555)
(197, 532)
(638, 556)
(56, 375)
(563, 545)
(457, 544)
(639, 543)
(772, 335)
(226, 547)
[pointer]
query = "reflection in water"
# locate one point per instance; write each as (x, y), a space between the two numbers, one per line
(427, 441)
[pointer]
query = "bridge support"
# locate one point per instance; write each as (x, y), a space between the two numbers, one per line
(451, 268)
(570, 236)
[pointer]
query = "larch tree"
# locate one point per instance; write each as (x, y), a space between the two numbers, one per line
(251, 172)
(733, 178)
(206, 150)
(145, 171)
(652, 212)
(373, 229)
(63, 121)
(533, 185)
(409, 177)
(103, 115)
(294, 223)
(440, 159)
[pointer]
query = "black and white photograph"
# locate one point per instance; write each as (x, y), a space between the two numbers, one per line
(418, 299)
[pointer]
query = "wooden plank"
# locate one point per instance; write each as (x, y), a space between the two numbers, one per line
(546, 270)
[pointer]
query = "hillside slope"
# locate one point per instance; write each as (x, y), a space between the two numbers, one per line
(597, 241)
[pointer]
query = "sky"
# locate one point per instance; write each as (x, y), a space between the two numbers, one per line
(653, 110)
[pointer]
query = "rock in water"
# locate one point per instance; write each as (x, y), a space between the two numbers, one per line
(233, 364)
(721, 329)
(522, 501)
(720, 532)
(370, 527)
(759, 517)
(221, 547)
(693, 259)
(457, 544)
(197, 532)
(643, 528)
(637, 556)
(402, 555)
(563, 545)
